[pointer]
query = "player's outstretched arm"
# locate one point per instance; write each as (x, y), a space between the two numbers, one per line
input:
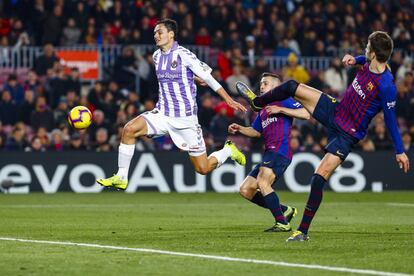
(203, 72)
(247, 131)
(300, 113)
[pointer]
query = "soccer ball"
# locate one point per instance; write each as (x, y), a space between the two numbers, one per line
(80, 117)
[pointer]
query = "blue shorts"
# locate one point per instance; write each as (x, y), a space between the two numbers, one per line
(340, 143)
(273, 160)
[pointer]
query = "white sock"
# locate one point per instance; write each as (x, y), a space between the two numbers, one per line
(125, 153)
(221, 155)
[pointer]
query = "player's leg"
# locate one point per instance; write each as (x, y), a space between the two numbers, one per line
(306, 95)
(265, 180)
(204, 164)
(325, 169)
(135, 128)
(249, 190)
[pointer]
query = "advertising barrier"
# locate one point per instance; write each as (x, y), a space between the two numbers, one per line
(51, 172)
(86, 61)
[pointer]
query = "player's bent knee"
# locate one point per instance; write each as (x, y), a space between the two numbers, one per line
(202, 170)
(245, 192)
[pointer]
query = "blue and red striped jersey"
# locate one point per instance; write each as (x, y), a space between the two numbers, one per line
(366, 96)
(275, 129)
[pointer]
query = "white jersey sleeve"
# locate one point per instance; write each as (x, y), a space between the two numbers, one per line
(198, 67)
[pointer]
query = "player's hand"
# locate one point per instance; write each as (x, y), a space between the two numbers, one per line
(348, 60)
(403, 162)
(273, 109)
(234, 128)
(236, 106)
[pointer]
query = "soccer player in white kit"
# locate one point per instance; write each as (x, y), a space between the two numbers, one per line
(175, 113)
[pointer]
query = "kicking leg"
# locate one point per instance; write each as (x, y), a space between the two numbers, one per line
(204, 164)
(135, 128)
(306, 95)
(325, 169)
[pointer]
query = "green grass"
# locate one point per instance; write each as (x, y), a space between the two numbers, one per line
(360, 231)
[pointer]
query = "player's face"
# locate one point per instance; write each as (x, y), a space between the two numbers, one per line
(267, 84)
(162, 36)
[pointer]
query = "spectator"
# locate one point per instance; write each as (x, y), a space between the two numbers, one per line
(237, 75)
(46, 60)
(52, 27)
(16, 142)
(73, 81)
(336, 78)
(8, 109)
(294, 70)
(15, 89)
(218, 126)
(407, 141)
(42, 116)
(56, 143)
(35, 145)
(125, 69)
(71, 33)
(101, 144)
(76, 143)
(27, 107)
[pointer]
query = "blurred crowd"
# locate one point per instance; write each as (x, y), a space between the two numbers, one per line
(33, 107)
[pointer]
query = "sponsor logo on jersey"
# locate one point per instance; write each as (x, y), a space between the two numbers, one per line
(168, 75)
(268, 121)
(358, 89)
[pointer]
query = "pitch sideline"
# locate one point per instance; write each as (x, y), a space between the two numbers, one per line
(212, 257)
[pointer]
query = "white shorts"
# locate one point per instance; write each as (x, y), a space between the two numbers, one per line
(185, 132)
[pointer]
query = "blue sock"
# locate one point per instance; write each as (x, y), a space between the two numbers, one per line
(272, 203)
(258, 199)
(314, 200)
(282, 92)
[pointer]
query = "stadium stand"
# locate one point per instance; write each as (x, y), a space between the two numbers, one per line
(239, 39)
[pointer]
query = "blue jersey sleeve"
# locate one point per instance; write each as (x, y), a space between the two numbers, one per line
(388, 94)
(291, 103)
(360, 59)
(257, 124)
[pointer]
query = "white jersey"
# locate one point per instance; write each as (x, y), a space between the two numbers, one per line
(175, 72)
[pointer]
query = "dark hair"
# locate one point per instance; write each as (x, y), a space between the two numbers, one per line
(268, 74)
(381, 44)
(170, 24)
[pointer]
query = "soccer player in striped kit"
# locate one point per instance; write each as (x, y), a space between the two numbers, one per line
(371, 91)
(176, 110)
(273, 124)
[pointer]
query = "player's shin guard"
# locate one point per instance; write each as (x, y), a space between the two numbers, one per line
(280, 93)
(314, 200)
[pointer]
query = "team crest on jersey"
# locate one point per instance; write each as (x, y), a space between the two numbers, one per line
(370, 86)
(174, 64)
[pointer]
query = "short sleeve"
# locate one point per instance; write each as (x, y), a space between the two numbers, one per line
(291, 103)
(257, 124)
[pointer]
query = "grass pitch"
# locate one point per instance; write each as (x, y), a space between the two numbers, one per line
(355, 231)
